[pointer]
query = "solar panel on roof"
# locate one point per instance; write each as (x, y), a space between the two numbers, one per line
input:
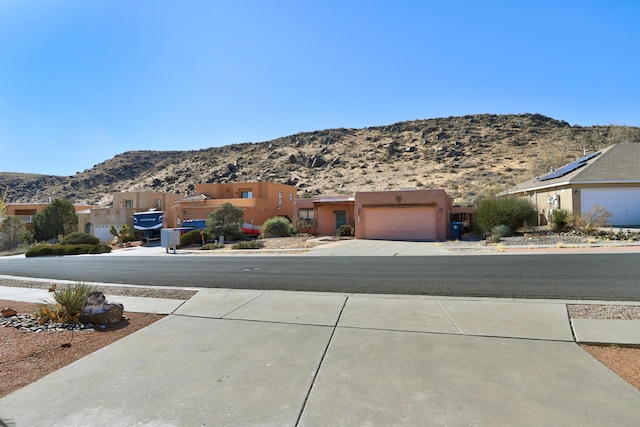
(577, 164)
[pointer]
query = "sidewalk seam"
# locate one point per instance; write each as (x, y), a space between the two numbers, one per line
(450, 318)
(324, 354)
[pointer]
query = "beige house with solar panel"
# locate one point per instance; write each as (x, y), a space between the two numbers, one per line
(609, 178)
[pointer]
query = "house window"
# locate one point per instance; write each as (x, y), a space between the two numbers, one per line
(128, 203)
(157, 203)
(246, 194)
(307, 215)
(280, 198)
(291, 197)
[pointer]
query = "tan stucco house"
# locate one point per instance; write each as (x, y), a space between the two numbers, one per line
(609, 178)
(98, 220)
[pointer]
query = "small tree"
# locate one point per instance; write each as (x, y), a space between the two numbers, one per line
(59, 218)
(511, 211)
(119, 232)
(13, 233)
(226, 221)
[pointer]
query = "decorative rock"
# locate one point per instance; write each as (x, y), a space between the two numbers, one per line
(99, 312)
(8, 312)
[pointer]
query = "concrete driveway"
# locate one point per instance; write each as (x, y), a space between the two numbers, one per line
(272, 358)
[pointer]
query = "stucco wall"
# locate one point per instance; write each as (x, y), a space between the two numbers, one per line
(438, 198)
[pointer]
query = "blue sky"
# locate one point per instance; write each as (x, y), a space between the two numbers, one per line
(82, 81)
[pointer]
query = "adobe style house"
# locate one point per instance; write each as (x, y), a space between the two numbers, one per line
(259, 201)
(609, 178)
(26, 211)
(325, 214)
(419, 215)
(98, 220)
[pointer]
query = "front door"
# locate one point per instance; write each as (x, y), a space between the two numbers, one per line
(341, 218)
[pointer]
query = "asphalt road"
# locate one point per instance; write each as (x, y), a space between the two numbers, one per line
(611, 277)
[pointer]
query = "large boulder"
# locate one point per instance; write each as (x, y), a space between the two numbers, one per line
(99, 312)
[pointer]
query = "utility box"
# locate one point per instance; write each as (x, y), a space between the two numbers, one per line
(170, 238)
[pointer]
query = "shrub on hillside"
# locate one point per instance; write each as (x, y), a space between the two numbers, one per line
(79, 239)
(191, 237)
(278, 226)
(511, 211)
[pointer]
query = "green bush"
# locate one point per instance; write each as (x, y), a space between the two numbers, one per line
(212, 246)
(559, 219)
(79, 239)
(191, 237)
(59, 249)
(248, 244)
(511, 211)
(278, 226)
(346, 230)
(129, 238)
(68, 303)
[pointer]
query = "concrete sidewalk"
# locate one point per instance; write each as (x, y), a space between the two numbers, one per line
(272, 358)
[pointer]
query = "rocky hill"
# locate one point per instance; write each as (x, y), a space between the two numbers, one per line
(467, 156)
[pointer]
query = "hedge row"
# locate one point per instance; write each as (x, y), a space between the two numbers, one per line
(58, 249)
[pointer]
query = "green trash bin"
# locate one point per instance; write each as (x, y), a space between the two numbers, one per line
(455, 230)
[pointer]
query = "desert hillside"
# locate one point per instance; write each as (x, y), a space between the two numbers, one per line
(467, 156)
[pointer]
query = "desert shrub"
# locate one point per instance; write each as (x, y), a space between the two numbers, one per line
(67, 304)
(511, 211)
(99, 249)
(559, 219)
(191, 237)
(129, 238)
(248, 244)
(278, 226)
(212, 246)
(589, 222)
(501, 231)
(302, 226)
(79, 239)
(346, 230)
(59, 249)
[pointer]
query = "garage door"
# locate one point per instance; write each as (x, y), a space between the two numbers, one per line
(623, 203)
(400, 223)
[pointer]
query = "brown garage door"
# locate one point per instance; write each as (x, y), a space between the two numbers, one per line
(401, 223)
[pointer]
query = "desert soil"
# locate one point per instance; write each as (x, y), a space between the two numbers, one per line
(26, 357)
